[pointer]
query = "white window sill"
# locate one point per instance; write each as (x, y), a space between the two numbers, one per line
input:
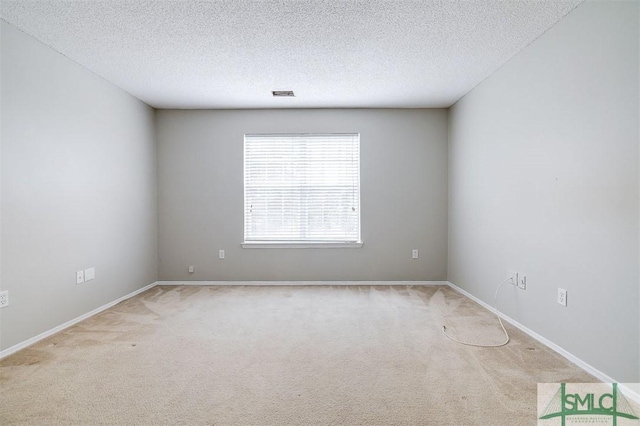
(298, 244)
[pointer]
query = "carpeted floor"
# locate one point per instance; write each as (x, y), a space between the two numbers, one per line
(298, 355)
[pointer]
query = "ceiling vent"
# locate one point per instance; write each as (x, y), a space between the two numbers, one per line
(283, 93)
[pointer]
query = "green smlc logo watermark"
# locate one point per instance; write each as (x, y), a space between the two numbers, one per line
(589, 404)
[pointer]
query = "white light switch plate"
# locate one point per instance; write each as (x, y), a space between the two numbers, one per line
(4, 298)
(79, 277)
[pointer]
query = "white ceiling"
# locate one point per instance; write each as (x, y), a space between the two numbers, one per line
(332, 53)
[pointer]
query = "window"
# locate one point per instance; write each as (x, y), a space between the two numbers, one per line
(301, 189)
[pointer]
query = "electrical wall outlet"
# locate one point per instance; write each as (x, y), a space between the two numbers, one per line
(4, 298)
(80, 277)
(562, 296)
(522, 281)
(192, 269)
(414, 254)
(517, 279)
(220, 254)
(89, 274)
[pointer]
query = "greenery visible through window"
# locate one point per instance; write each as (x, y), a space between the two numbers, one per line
(302, 188)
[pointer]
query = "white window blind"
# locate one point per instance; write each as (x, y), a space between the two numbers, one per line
(302, 188)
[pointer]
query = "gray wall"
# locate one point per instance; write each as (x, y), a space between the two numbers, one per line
(403, 196)
(78, 189)
(543, 179)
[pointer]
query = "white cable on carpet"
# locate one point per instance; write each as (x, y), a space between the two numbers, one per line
(495, 304)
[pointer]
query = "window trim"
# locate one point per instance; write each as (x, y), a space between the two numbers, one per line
(299, 244)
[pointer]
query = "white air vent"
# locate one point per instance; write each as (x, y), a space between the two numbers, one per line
(283, 93)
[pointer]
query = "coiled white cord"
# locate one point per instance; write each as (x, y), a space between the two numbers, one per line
(495, 304)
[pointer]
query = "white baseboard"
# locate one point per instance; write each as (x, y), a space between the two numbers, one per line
(15, 348)
(302, 283)
(626, 390)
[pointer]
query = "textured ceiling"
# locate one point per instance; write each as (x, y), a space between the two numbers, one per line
(332, 53)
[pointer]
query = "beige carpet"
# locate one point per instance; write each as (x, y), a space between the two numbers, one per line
(281, 356)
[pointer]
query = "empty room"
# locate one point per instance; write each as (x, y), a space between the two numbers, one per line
(320, 212)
